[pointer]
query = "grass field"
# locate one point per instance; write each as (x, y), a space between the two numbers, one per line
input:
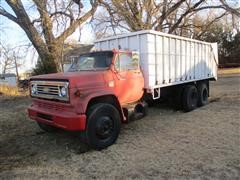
(167, 144)
(225, 71)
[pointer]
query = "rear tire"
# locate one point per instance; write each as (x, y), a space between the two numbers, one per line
(103, 126)
(46, 127)
(190, 98)
(202, 94)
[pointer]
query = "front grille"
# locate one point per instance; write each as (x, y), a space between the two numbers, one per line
(50, 90)
(45, 116)
(47, 89)
(50, 106)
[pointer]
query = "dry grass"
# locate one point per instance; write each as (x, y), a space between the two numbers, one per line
(229, 71)
(167, 144)
(12, 91)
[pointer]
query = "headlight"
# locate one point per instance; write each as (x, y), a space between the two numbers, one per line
(34, 89)
(63, 91)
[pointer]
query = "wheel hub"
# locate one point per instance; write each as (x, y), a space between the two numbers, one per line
(104, 127)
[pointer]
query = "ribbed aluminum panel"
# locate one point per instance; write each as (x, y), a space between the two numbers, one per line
(167, 59)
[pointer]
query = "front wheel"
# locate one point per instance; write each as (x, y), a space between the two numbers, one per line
(103, 125)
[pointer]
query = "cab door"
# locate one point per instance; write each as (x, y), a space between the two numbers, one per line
(129, 80)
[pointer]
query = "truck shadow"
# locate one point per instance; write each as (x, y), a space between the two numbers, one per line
(35, 147)
(65, 140)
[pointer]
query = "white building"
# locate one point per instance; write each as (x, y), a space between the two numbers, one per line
(8, 79)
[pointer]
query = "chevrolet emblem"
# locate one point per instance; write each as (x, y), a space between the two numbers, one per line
(46, 89)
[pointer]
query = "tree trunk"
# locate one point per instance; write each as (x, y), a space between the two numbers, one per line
(48, 46)
(55, 49)
(46, 64)
(49, 60)
(16, 67)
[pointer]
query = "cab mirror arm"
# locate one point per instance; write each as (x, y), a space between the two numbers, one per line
(112, 67)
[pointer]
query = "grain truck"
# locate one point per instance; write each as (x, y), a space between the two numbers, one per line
(113, 84)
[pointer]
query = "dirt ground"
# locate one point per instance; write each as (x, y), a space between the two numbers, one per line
(167, 144)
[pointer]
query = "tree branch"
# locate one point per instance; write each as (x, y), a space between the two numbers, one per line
(8, 15)
(70, 16)
(191, 9)
(167, 12)
(230, 9)
(45, 20)
(205, 28)
(209, 7)
(25, 23)
(76, 23)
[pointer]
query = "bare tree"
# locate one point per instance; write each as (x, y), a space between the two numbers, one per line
(11, 58)
(104, 25)
(45, 31)
(200, 25)
(232, 10)
(6, 61)
(175, 16)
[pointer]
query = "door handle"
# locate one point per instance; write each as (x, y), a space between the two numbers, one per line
(137, 72)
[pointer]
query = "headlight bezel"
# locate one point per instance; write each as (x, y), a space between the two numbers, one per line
(48, 89)
(63, 91)
(33, 88)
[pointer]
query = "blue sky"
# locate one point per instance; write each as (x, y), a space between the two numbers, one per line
(11, 33)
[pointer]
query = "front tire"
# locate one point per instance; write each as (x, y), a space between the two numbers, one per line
(103, 126)
(190, 98)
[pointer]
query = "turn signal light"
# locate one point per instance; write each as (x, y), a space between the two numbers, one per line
(77, 93)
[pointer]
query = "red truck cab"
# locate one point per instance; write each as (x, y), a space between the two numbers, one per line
(94, 96)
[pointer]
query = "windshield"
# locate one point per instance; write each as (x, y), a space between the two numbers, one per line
(92, 61)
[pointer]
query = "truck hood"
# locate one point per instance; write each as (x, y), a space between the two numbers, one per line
(75, 79)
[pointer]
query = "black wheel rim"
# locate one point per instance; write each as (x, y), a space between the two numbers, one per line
(104, 127)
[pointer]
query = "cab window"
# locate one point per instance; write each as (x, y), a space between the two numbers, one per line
(126, 61)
